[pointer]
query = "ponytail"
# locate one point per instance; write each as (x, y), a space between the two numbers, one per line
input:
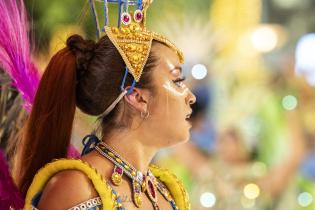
(47, 133)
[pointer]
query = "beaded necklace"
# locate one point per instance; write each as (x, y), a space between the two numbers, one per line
(140, 183)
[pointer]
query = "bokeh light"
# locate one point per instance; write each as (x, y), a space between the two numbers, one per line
(207, 199)
(305, 199)
(264, 39)
(251, 191)
(199, 71)
(304, 56)
(289, 102)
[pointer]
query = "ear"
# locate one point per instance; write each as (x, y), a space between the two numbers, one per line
(138, 99)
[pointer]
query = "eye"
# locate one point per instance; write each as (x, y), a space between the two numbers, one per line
(176, 73)
(179, 82)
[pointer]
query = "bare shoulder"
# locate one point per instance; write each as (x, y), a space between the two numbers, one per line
(65, 190)
(102, 165)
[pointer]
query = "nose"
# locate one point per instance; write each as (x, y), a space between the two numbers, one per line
(191, 98)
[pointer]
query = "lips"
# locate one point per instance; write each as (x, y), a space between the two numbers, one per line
(188, 120)
(188, 116)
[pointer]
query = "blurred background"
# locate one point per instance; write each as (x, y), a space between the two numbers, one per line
(251, 65)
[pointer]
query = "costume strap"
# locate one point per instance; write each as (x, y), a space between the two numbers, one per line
(95, 16)
(89, 142)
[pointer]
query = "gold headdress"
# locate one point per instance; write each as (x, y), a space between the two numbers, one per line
(131, 38)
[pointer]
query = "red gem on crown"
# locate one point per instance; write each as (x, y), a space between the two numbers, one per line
(138, 16)
(126, 18)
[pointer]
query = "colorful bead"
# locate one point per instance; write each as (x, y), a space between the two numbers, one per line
(137, 199)
(118, 160)
(116, 179)
(117, 176)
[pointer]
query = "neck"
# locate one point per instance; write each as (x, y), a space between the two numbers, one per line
(132, 148)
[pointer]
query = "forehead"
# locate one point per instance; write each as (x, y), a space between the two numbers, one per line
(167, 57)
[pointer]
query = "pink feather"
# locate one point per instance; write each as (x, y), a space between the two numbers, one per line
(15, 59)
(9, 195)
(15, 55)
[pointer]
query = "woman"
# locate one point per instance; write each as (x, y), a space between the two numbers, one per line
(150, 112)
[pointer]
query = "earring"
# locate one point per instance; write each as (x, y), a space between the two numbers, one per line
(145, 115)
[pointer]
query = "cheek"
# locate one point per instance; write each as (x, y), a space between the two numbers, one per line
(169, 88)
(169, 114)
(170, 101)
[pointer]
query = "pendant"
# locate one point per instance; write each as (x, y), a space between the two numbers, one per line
(117, 175)
(137, 198)
(151, 188)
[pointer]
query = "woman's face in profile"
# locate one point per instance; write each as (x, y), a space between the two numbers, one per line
(171, 103)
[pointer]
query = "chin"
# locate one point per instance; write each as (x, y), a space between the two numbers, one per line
(184, 139)
(185, 134)
(177, 136)
(173, 141)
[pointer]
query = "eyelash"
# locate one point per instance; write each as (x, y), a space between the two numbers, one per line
(179, 82)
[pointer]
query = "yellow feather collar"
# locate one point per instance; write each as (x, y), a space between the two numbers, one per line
(103, 189)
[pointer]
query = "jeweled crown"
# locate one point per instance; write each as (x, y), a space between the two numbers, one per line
(130, 36)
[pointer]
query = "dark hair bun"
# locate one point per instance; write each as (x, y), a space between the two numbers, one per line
(83, 51)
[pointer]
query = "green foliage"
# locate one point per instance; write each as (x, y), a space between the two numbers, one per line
(45, 16)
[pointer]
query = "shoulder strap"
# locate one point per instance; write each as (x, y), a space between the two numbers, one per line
(103, 189)
(174, 185)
